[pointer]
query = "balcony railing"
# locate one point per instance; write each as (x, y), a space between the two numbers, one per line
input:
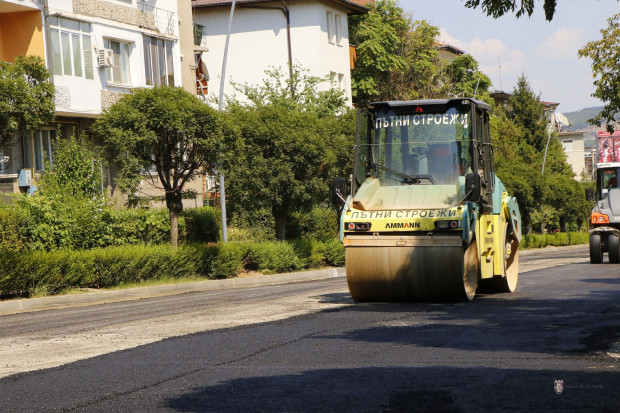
(164, 19)
(200, 35)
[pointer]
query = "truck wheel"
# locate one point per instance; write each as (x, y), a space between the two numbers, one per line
(613, 248)
(596, 253)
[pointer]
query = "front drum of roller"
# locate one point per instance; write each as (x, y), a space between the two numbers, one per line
(412, 273)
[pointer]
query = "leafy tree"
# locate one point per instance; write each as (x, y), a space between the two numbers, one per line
(75, 170)
(165, 127)
(463, 78)
(64, 211)
(605, 55)
(26, 97)
(497, 8)
(398, 59)
(289, 147)
(519, 137)
(378, 37)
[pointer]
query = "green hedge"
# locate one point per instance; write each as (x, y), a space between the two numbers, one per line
(557, 239)
(47, 224)
(28, 273)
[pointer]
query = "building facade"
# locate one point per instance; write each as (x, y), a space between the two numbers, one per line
(310, 34)
(96, 50)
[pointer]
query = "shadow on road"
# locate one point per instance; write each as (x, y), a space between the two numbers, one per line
(396, 389)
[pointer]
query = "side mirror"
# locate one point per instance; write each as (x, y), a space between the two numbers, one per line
(589, 194)
(337, 189)
(472, 187)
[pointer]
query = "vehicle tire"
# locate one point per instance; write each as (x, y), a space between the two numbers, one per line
(596, 253)
(613, 248)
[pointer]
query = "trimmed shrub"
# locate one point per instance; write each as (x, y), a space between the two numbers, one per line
(557, 239)
(271, 256)
(201, 224)
(35, 272)
(319, 223)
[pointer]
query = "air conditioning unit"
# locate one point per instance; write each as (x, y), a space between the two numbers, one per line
(105, 57)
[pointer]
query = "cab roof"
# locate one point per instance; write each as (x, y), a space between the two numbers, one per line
(430, 102)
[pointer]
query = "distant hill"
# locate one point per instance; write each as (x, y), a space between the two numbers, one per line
(580, 117)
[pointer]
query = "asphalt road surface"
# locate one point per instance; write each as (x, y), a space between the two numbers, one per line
(551, 346)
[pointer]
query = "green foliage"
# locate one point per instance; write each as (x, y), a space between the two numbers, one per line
(397, 59)
(38, 272)
(286, 154)
(558, 239)
(13, 228)
(76, 170)
(605, 55)
(299, 92)
(26, 97)
(497, 8)
(202, 224)
(547, 202)
(165, 127)
(320, 223)
(47, 224)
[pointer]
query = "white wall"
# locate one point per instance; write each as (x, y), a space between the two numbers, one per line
(82, 97)
(259, 41)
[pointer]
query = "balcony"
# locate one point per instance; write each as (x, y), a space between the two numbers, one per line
(164, 20)
(21, 30)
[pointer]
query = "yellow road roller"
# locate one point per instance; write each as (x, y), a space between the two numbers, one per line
(427, 218)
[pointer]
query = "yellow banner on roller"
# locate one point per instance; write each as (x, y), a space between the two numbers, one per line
(403, 220)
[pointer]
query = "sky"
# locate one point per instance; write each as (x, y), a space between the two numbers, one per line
(545, 52)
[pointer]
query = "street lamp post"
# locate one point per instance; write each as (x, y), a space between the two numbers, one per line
(220, 107)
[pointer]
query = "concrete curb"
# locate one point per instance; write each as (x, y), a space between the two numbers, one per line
(138, 293)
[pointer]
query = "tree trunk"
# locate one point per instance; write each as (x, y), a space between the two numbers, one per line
(280, 226)
(174, 228)
(174, 202)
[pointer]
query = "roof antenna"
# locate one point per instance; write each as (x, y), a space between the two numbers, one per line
(499, 60)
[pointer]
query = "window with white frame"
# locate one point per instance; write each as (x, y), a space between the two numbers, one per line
(119, 72)
(71, 47)
(567, 145)
(340, 81)
(158, 61)
(3, 160)
(338, 20)
(330, 27)
(42, 145)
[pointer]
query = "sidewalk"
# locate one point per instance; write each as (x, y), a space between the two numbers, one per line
(138, 293)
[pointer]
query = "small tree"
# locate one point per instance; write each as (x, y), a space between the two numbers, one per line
(26, 97)
(165, 127)
(289, 146)
(605, 55)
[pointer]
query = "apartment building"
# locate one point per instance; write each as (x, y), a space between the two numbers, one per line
(266, 34)
(96, 50)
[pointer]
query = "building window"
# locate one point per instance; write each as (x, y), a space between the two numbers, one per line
(567, 145)
(71, 48)
(330, 27)
(338, 29)
(119, 72)
(40, 148)
(3, 160)
(158, 62)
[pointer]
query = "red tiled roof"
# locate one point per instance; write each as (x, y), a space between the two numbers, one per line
(354, 6)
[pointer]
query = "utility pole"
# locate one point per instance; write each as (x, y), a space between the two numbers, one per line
(221, 107)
